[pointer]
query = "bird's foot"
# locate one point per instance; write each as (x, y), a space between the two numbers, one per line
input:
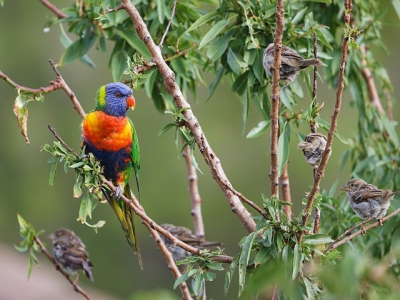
(380, 221)
(118, 192)
(363, 232)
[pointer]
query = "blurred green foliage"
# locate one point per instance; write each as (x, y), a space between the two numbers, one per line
(219, 44)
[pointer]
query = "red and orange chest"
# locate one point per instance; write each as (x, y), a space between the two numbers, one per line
(107, 132)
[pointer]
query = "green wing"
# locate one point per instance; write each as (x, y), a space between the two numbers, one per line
(135, 155)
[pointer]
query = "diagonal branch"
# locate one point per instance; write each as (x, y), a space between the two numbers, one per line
(77, 288)
(325, 155)
(59, 14)
(338, 243)
(274, 172)
(192, 123)
(285, 186)
(170, 261)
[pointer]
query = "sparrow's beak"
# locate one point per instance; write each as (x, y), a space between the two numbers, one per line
(345, 188)
(130, 102)
(302, 145)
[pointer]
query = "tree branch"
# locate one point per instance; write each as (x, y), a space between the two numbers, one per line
(275, 100)
(192, 123)
(337, 243)
(369, 80)
(194, 195)
(59, 83)
(285, 186)
(77, 288)
(59, 14)
(168, 26)
(170, 261)
(325, 155)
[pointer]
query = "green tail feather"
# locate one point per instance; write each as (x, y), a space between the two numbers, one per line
(125, 216)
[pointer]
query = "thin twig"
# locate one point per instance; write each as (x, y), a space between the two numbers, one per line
(285, 186)
(169, 25)
(58, 84)
(389, 104)
(273, 174)
(53, 131)
(325, 155)
(336, 244)
(76, 287)
(170, 261)
(313, 128)
(59, 14)
(194, 193)
(370, 82)
(192, 123)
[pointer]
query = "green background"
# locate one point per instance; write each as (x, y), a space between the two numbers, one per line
(24, 53)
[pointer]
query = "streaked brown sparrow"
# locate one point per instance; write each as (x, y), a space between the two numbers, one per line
(291, 63)
(313, 146)
(70, 253)
(185, 235)
(368, 201)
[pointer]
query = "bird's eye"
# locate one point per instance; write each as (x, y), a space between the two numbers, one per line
(118, 94)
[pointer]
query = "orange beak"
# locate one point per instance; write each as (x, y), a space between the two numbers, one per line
(130, 101)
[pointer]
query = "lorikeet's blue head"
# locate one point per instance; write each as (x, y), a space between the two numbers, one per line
(115, 99)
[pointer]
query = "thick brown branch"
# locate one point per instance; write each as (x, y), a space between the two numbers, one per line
(274, 172)
(337, 243)
(285, 186)
(170, 261)
(325, 155)
(194, 193)
(369, 80)
(77, 288)
(192, 123)
(59, 14)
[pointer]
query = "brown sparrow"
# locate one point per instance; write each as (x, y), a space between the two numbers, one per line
(70, 253)
(313, 146)
(368, 201)
(185, 235)
(291, 63)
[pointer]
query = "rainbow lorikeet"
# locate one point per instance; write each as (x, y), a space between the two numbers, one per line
(110, 135)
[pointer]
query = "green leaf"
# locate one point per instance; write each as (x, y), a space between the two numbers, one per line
(299, 15)
(229, 273)
(135, 42)
(244, 259)
(296, 261)
(283, 148)
(77, 191)
(390, 128)
(322, 38)
(204, 19)
(209, 276)
(21, 112)
(218, 46)
(396, 6)
(197, 284)
(235, 61)
(215, 82)
(118, 64)
(85, 208)
(52, 176)
(317, 239)
(259, 130)
(262, 256)
(213, 32)
(320, 1)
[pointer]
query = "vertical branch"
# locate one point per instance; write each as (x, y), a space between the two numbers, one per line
(194, 195)
(369, 80)
(325, 155)
(313, 128)
(285, 186)
(275, 99)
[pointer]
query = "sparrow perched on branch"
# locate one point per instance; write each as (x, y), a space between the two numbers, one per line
(291, 63)
(313, 146)
(70, 253)
(368, 201)
(185, 235)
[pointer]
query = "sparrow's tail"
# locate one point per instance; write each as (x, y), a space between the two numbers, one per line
(309, 62)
